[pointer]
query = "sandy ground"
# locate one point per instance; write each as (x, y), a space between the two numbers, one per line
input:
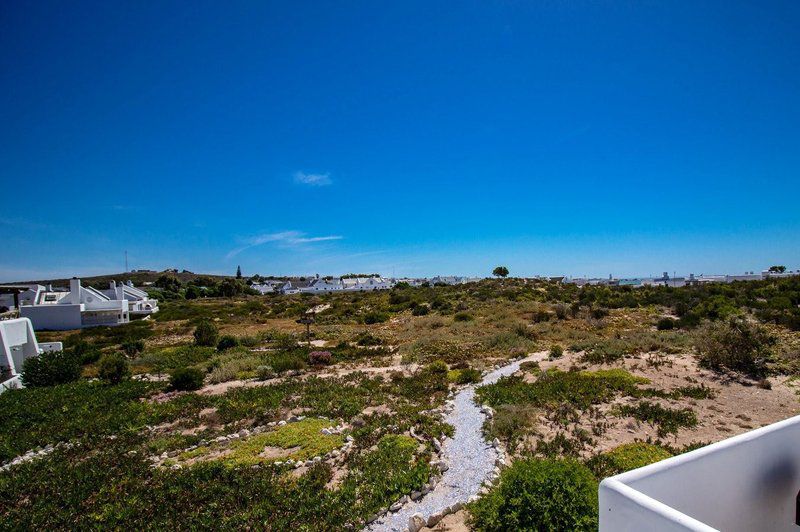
(740, 405)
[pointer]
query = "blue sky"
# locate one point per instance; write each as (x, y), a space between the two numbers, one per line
(414, 138)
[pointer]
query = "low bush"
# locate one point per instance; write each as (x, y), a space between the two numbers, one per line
(666, 324)
(375, 317)
(626, 457)
(288, 361)
(366, 339)
(265, 372)
(206, 334)
(666, 420)
(420, 310)
(735, 344)
(539, 494)
(113, 368)
(556, 352)
(463, 316)
(319, 358)
(50, 369)
(227, 342)
(133, 347)
(511, 422)
(580, 389)
(186, 379)
(464, 376)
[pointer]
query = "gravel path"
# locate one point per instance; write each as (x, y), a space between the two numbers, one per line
(470, 458)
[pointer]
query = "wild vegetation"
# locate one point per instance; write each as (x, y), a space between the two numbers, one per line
(640, 373)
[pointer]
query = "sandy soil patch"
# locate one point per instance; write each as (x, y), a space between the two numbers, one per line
(739, 405)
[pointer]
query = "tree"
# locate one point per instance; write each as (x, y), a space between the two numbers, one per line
(168, 282)
(500, 271)
(777, 269)
(231, 287)
(238, 272)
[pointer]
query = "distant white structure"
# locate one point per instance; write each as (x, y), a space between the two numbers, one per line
(77, 308)
(139, 303)
(17, 344)
(748, 482)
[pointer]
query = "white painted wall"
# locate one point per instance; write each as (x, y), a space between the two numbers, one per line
(53, 317)
(746, 483)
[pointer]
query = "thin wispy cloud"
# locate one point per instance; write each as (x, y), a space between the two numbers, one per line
(283, 238)
(314, 180)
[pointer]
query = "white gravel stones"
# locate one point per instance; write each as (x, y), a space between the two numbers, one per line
(471, 462)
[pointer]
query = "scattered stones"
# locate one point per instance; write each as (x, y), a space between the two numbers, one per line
(416, 522)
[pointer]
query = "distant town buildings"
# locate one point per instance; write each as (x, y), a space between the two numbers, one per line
(692, 280)
(317, 284)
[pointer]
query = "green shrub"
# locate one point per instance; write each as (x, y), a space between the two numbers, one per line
(50, 369)
(133, 347)
(227, 342)
(626, 457)
(735, 344)
(581, 389)
(265, 372)
(539, 494)
(438, 367)
(666, 324)
(463, 316)
(375, 317)
(420, 310)
(556, 352)
(666, 420)
(467, 376)
(113, 368)
(85, 352)
(282, 362)
(367, 339)
(206, 334)
(511, 422)
(186, 379)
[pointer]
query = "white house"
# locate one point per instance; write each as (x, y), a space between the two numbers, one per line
(363, 284)
(17, 344)
(323, 285)
(19, 294)
(748, 482)
(139, 303)
(79, 307)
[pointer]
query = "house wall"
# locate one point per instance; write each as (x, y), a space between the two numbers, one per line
(53, 317)
(748, 482)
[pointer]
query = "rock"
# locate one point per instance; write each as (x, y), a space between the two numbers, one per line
(349, 439)
(326, 431)
(434, 519)
(293, 419)
(473, 499)
(416, 522)
(244, 433)
(317, 459)
(281, 423)
(436, 445)
(335, 453)
(416, 495)
(456, 507)
(495, 443)
(357, 422)
(395, 507)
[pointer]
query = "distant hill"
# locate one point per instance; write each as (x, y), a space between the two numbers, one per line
(138, 277)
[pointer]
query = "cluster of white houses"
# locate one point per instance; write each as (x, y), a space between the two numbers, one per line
(319, 284)
(77, 307)
(691, 280)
